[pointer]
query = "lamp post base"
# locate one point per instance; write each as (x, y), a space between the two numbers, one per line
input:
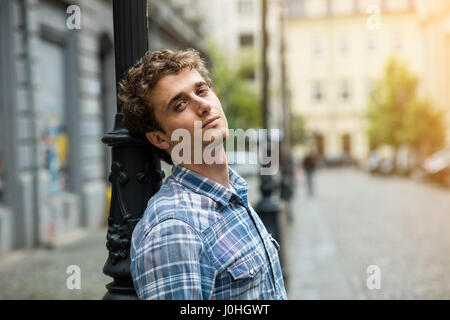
(120, 290)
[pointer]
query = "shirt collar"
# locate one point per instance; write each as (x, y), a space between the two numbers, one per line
(211, 188)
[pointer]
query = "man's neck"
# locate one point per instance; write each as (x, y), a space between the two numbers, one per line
(214, 171)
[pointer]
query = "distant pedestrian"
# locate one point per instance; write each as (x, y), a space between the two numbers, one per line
(309, 165)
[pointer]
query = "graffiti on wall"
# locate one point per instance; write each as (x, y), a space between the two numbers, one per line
(56, 146)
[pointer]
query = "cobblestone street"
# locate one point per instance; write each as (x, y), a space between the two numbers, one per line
(355, 220)
(41, 273)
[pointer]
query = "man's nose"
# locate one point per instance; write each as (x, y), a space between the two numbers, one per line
(203, 106)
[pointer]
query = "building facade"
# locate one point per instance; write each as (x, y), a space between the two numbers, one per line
(434, 17)
(235, 27)
(337, 49)
(58, 61)
(57, 100)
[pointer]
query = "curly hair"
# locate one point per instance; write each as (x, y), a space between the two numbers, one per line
(138, 113)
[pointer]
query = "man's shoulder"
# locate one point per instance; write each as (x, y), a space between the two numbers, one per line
(175, 201)
(165, 203)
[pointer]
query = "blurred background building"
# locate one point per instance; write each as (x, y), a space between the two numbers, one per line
(235, 26)
(57, 100)
(53, 112)
(335, 58)
(337, 50)
(434, 18)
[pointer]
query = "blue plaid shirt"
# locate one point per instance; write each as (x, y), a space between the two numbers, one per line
(200, 240)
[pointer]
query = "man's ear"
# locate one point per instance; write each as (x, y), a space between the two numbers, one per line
(158, 139)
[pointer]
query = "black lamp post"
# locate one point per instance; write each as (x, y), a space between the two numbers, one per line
(268, 207)
(287, 185)
(135, 171)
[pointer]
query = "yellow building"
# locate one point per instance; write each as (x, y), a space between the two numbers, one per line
(337, 49)
(434, 16)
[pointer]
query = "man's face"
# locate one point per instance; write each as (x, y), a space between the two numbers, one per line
(179, 100)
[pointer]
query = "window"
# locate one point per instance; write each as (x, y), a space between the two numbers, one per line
(316, 8)
(346, 144)
(296, 8)
(363, 5)
(371, 44)
(246, 40)
(317, 92)
(343, 46)
(342, 7)
(397, 5)
(316, 49)
(245, 7)
(345, 90)
(320, 143)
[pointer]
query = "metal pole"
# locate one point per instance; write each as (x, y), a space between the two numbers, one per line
(135, 171)
(287, 166)
(287, 169)
(267, 208)
(265, 69)
(284, 101)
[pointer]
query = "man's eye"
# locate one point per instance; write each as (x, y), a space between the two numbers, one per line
(179, 106)
(202, 91)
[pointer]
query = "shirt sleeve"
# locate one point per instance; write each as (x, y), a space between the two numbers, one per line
(170, 263)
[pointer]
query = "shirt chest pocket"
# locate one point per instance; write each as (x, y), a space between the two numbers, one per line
(247, 267)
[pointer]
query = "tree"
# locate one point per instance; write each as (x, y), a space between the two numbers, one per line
(240, 101)
(299, 134)
(397, 115)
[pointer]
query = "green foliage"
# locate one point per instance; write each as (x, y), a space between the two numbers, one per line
(240, 101)
(398, 116)
(298, 130)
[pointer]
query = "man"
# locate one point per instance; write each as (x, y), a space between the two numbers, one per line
(199, 238)
(309, 165)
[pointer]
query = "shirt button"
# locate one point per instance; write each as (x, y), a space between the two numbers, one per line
(252, 271)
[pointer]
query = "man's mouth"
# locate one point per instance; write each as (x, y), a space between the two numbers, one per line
(210, 122)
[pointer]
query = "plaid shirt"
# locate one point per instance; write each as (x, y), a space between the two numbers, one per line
(200, 240)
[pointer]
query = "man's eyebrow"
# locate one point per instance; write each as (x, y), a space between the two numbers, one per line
(198, 84)
(175, 98)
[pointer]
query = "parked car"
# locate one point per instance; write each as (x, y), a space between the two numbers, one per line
(437, 167)
(340, 161)
(406, 161)
(380, 165)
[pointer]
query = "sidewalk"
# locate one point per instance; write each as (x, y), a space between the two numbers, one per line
(41, 273)
(314, 268)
